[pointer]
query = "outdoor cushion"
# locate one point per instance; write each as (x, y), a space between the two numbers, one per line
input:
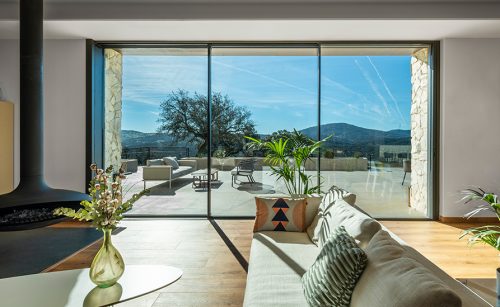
(276, 264)
(333, 276)
(333, 194)
(155, 162)
(391, 279)
(359, 225)
(181, 171)
(172, 161)
(280, 214)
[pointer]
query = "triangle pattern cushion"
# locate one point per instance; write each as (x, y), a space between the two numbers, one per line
(280, 214)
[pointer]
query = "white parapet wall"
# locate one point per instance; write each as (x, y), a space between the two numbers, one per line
(336, 164)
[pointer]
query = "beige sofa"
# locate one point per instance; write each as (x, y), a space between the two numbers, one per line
(279, 259)
(166, 172)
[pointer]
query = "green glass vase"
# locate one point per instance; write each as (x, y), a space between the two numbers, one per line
(107, 266)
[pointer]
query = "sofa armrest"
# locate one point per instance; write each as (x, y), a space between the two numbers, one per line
(192, 163)
(157, 172)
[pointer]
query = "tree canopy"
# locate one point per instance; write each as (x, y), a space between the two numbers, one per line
(184, 117)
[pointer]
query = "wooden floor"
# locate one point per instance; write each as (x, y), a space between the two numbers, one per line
(440, 243)
(214, 277)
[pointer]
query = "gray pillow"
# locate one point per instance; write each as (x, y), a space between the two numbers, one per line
(155, 162)
(392, 279)
(172, 161)
(333, 276)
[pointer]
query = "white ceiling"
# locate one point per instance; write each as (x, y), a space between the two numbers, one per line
(264, 30)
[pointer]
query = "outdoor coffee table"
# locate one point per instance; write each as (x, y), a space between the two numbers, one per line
(74, 288)
(200, 177)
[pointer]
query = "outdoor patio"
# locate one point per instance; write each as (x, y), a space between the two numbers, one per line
(379, 192)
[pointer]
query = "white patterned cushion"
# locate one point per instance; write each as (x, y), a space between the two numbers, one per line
(334, 193)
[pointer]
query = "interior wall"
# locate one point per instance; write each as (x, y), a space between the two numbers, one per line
(470, 125)
(64, 113)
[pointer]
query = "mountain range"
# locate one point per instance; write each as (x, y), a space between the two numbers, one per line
(343, 135)
(349, 134)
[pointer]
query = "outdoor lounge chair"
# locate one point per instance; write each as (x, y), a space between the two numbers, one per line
(156, 170)
(244, 168)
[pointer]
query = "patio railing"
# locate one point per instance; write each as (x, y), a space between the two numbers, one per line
(147, 153)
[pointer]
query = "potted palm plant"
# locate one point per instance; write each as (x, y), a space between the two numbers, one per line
(287, 157)
(489, 234)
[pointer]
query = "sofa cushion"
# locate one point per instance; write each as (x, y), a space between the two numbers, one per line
(181, 171)
(359, 225)
(277, 262)
(280, 214)
(333, 276)
(313, 202)
(172, 161)
(155, 162)
(333, 194)
(391, 279)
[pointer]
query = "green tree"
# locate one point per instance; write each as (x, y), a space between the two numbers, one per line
(184, 117)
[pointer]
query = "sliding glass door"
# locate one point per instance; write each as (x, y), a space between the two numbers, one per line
(375, 101)
(264, 93)
(156, 111)
(187, 103)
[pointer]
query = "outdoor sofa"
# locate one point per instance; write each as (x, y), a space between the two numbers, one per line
(163, 170)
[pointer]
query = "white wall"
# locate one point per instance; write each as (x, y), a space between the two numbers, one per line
(470, 119)
(64, 138)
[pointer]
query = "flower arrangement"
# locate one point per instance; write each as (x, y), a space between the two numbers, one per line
(106, 207)
(489, 235)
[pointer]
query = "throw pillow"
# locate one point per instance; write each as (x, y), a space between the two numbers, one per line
(155, 162)
(172, 161)
(392, 278)
(280, 214)
(359, 225)
(332, 278)
(334, 193)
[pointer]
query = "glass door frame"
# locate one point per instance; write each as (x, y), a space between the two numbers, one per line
(94, 107)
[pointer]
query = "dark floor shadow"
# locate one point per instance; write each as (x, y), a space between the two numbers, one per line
(234, 250)
(164, 188)
(282, 255)
(256, 188)
(214, 185)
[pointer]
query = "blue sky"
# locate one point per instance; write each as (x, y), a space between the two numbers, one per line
(280, 91)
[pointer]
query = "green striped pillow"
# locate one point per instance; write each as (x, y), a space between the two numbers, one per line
(330, 281)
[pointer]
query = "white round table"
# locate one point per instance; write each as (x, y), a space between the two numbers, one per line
(74, 288)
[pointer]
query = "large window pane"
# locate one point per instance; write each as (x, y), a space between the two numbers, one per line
(162, 112)
(375, 102)
(259, 92)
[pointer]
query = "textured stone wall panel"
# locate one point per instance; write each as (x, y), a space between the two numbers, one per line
(419, 129)
(113, 108)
